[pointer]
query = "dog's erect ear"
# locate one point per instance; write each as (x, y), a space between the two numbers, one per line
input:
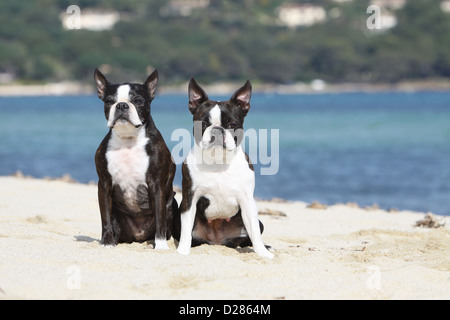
(151, 83)
(242, 96)
(100, 82)
(196, 95)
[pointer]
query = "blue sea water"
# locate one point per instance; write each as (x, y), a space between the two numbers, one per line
(392, 149)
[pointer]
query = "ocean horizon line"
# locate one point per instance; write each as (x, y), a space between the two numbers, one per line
(317, 86)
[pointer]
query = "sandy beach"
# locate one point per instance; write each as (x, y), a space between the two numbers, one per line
(49, 249)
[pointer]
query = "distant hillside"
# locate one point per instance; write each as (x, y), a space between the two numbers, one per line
(271, 41)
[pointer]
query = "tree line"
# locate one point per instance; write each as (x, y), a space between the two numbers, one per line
(228, 40)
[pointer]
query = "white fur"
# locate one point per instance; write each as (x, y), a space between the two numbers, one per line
(112, 110)
(221, 184)
(128, 160)
(215, 116)
(122, 95)
(228, 187)
(123, 92)
(161, 244)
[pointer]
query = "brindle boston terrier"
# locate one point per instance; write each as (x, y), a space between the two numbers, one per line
(134, 167)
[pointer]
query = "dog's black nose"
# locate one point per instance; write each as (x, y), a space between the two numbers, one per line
(217, 131)
(217, 135)
(122, 106)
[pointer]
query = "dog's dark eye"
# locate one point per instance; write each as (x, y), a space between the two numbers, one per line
(138, 101)
(204, 125)
(233, 125)
(109, 101)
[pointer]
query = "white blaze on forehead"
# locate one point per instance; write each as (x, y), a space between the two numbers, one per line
(215, 116)
(123, 93)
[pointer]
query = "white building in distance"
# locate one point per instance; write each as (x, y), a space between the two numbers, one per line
(90, 19)
(300, 15)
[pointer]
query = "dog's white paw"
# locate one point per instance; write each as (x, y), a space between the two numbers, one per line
(108, 246)
(161, 244)
(184, 251)
(264, 253)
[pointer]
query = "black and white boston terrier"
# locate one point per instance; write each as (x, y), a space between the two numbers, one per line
(218, 179)
(134, 167)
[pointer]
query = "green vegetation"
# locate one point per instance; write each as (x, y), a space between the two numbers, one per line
(228, 40)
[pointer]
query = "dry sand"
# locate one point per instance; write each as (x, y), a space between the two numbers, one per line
(49, 249)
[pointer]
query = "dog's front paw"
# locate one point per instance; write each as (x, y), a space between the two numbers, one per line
(108, 246)
(108, 240)
(264, 253)
(161, 244)
(184, 250)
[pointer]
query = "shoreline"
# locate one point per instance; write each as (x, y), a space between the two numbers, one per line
(49, 248)
(313, 205)
(223, 88)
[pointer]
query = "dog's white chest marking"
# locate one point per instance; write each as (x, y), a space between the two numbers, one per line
(222, 187)
(128, 163)
(221, 195)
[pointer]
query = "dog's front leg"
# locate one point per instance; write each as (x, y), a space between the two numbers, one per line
(249, 213)
(160, 210)
(110, 227)
(187, 224)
